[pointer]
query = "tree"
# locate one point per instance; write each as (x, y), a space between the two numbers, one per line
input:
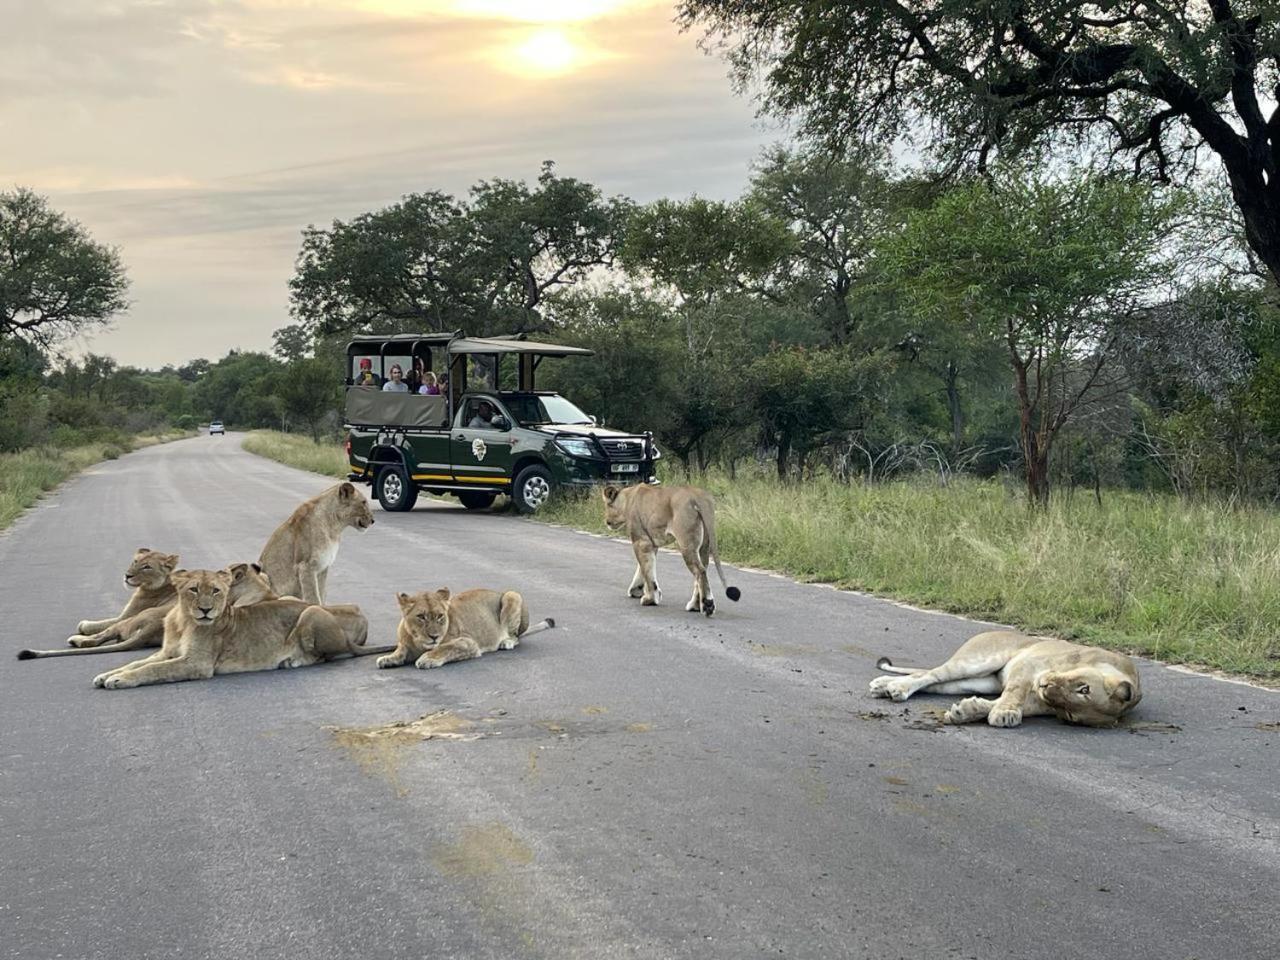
(432, 263)
(55, 281)
(836, 209)
(309, 392)
(1158, 81)
(1048, 269)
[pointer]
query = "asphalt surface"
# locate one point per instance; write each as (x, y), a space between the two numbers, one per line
(638, 782)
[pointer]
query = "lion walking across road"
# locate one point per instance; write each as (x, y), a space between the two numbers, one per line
(651, 514)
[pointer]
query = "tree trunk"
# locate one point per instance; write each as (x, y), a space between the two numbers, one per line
(1035, 454)
(953, 405)
(784, 452)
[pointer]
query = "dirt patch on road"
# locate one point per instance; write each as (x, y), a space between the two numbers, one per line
(379, 751)
(483, 851)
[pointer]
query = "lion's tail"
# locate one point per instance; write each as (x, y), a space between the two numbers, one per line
(709, 525)
(78, 651)
(885, 665)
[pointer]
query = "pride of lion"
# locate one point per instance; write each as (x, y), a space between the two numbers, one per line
(273, 614)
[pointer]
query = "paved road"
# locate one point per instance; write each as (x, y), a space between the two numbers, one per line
(636, 783)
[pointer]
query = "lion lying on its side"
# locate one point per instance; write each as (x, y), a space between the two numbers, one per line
(230, 621)
(437, 628)
(651, 514)
(1033, 676)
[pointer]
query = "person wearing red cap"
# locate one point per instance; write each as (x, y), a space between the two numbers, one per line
(367, 377)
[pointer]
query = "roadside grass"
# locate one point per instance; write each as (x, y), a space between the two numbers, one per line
(27, 474)
(1195, 583)
(328, 459)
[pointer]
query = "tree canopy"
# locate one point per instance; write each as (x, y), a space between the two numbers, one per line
(55, 280)
(1157, 81)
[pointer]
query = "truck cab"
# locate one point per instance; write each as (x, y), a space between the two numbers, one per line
(475, 439)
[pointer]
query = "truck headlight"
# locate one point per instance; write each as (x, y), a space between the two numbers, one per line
(575, 447)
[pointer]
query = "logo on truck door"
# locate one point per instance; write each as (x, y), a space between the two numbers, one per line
(478, 449)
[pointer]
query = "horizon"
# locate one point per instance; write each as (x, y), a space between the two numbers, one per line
(208, 137)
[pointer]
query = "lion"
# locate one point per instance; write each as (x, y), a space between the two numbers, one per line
(1034, 676)
(437, 627)
(653, 513)
(300, 552)
(148, 574)
(231, 621)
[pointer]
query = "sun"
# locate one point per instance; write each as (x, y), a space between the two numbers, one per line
(548, 51)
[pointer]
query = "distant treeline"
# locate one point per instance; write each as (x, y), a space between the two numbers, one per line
(841, 317)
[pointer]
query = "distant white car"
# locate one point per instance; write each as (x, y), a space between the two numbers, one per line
(216, 427)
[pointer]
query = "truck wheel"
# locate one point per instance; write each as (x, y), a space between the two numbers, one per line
(532, 489)
(394, 490)
(476, 499)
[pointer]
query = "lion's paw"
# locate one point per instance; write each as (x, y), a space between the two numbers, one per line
(692, 606)
(1005, 717)
(879, 687)
(387, 662)
(898, 689)
(79, 641)
(635, 592)
(510, 643)
(426, 663)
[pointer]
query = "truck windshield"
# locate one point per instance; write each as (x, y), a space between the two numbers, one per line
(532, 410)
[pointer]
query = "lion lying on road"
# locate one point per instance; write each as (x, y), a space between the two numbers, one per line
(1032, 675)
(651, 514)
(141, 622)
(300, 552)
(230, 621)
(437, 628)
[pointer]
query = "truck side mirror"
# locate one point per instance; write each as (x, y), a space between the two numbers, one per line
(500, 423)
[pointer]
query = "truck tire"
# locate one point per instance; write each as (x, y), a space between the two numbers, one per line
(532, 489)
(476, 499)
(394, 490)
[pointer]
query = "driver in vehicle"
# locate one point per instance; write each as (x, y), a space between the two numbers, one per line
(482, 417)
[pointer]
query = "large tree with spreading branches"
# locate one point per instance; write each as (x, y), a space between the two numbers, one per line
(1160, 82)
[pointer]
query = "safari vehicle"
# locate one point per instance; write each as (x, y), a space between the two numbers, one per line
(475, 439)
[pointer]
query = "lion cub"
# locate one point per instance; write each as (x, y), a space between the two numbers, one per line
(437, 627)
(1033, 676)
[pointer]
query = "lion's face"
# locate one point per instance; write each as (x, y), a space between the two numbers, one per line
(1088, 696)
(249, 584)
(615, 503)
(203, 595)
(150, 569)
(426, 615)
(353, 507)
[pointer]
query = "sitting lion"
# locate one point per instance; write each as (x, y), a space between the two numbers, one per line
(300, 552)
(230, 621)
(651, 514)
(437, 628)
(1033, 676)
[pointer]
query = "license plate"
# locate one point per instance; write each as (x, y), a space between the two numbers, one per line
(625, 468)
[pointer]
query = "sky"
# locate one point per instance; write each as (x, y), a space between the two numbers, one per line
(201, 136)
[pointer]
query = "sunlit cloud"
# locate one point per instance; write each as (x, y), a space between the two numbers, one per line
(533, 11)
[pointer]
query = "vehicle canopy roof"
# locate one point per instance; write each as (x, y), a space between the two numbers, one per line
(457, 344)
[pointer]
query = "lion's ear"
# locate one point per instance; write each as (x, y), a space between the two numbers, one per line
(179, 576)
(443, 593)
(257, 567)
(169, 561)
(404, 600)
(346, 491)
(610, 493)
(237, 571)
(142, 550)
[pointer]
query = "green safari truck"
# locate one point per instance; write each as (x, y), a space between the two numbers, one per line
(474, 439)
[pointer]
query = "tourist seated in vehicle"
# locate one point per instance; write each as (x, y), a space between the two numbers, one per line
(366, 377)
(396, 384)
(429, 387)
